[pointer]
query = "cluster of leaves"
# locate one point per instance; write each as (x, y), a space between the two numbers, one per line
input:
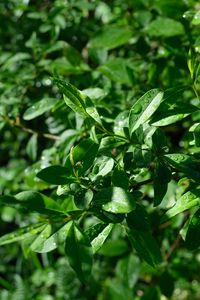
(100, 124)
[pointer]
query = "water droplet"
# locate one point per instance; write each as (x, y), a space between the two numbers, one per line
(120, 123)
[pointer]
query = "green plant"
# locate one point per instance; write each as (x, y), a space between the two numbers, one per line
(109, 176)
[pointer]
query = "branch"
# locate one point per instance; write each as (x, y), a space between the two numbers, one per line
(173, 246)
(17, 124)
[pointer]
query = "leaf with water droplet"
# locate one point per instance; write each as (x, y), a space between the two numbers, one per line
(21, 234)
(170, 112)
(185, 164)
(115, 200)
(72, 96)
(92, 111)
(98, 234)
(39, 108)
(186, 201)
(144, 108)
(37, 244)
(51, 241)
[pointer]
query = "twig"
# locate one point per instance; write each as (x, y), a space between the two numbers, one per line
(138, 184)
(173, 246)
(17, 124)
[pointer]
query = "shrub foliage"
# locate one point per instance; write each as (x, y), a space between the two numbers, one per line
(100, 126)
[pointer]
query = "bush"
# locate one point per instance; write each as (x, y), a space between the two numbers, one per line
(99, 120)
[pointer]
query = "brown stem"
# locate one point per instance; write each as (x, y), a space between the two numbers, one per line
(173, 246)
(138, 184)
(17, 124)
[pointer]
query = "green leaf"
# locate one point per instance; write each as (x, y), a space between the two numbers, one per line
(48, 243)
(168, 289)
(79, 252)
(196, 18)
(91, 110)
(93, 231)
(115, 200)
(128, 270)
(83, 197)
(21, 234)
(117, 70)
(186, 201)
(151, 293)
(171, 111)
(99, 240)
(144, 108)
(16, 58)
(82, 157)
(106, 216)
(72, 96)
(96, 94)
(35, 201)
(185, 164)
(109, 143)
(39, 108)
(192, 239)
(111, 36)
(31, 147)
(138, 219)
(38, 242)
(197, 135)
(114, 248)
(56, 175)
(121, 122)
(120, 178)
(141, 238)
(77, 101)
(162, 176)
(146, 246)
(165, 27)
(103, 166)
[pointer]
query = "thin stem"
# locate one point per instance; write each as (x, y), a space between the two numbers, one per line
(103, 129)
(17, 124)
(195, 90)
(173, 247)
(139, 184)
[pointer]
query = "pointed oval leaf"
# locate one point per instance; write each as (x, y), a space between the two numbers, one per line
(162, 176)
(165, 27)
(56, 175)
(48, 243)
(21, 234)
(185, 164)
(72, 96)
(146, 246)
(144, 108)
(111, 36)
(192, 239)
(39, 108)
(115, 200)
(186, 201)
(44, 234)
(171, 112)
(35, 201)
(79, 252)
(82, 157)
(99, 240)
(117, 70)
